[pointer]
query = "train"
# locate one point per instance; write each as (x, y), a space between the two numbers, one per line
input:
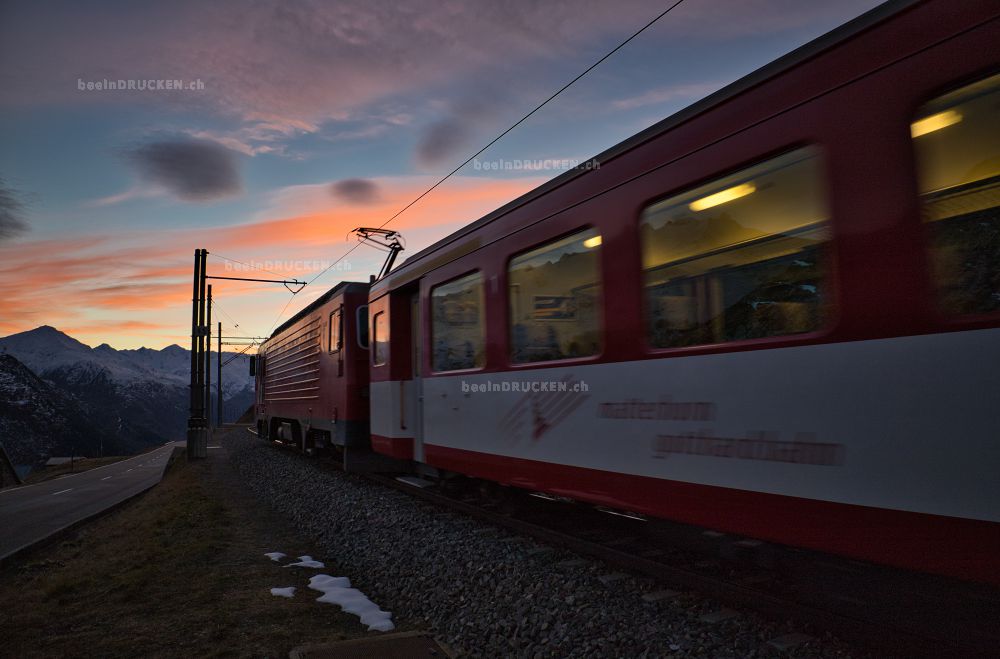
(775, 314)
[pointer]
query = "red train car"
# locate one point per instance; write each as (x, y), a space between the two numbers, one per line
(776, 313)
(312, 375)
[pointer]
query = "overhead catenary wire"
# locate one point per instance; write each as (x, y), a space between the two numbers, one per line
(533, 111)
(284, 308)
(236, 326)
(239, 354)
(254, 342)
(496, 139)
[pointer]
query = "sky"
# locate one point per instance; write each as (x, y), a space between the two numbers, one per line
(265, 131)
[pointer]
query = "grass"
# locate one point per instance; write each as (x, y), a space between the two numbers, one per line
(178, 572)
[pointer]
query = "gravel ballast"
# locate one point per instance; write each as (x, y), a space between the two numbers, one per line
(486, 592)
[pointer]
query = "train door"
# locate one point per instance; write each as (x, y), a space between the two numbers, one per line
(417, 390)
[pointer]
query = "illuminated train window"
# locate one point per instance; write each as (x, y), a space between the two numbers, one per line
(957, 142)
(380, 338)
(555, 300)
(457, 330)
(739, 258)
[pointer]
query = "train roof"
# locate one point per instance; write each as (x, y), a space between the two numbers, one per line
(768, 71)
(318, 302)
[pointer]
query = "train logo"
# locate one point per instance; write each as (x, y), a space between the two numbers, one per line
(542, 408)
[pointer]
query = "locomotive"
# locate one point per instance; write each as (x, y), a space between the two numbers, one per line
(775, 314)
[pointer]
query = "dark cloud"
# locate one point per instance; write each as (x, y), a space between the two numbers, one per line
(448, 139)
(442, 140)
(195, 170)
(11, 208)
(356, 190)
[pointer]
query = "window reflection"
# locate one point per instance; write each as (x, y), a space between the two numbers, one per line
(457, 317)
(738, 258)
(957, 143)
(554, 300)
(336, 331)
(380, 338)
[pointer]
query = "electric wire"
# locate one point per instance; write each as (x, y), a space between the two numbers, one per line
(236, 326)
(520, 121)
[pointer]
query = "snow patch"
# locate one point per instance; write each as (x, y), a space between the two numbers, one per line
(306, 561)
(337, 590)
(284, 592)
(275, 555)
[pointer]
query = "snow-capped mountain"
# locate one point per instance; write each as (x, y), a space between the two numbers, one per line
(46, 349)
(144, 391)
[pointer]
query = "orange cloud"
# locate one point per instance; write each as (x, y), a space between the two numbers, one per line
(135, 289)
(330, 222)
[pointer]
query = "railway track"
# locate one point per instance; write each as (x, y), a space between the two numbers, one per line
(885, 611)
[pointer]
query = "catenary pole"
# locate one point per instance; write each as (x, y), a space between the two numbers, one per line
(193, 407)
(218, 381)
(197, 440)
(195, 418)
(208, 358)
(201, 348)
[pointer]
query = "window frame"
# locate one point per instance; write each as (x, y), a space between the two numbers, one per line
(602, 321)
(361, 325)
(831, 317)
(339, 313)
(482, 326)
(373, 341)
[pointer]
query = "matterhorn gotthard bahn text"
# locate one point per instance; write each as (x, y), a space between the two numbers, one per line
(99, 400)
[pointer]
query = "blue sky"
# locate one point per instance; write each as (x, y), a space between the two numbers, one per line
(107, 193)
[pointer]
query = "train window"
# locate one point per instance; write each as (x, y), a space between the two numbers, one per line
(554, 300)
(336, 331)
(380, 338)
(738, 258)
(362, 318)
(957, 146)
(457, 324)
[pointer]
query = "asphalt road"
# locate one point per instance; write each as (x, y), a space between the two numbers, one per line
(32, 513)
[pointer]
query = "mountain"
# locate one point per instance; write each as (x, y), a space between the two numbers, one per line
(46, 349)
(129, 398)
(25, 398)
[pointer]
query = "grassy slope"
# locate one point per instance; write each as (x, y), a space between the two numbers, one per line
(179, 572)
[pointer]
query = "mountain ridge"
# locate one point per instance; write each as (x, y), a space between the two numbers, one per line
(129, 399)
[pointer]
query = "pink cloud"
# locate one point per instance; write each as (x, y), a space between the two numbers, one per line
(135, 289)
(284, 68)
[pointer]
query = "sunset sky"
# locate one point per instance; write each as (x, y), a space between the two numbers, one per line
(308, 119)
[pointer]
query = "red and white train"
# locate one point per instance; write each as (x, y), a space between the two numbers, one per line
(776, 314)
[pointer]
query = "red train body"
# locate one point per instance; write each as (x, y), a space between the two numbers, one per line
(776, 313)
(312, 375)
